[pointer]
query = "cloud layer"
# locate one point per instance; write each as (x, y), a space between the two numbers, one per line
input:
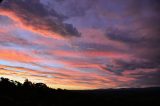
(81, 44)
(37, 17)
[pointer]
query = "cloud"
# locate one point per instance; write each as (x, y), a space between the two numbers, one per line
(143, 78)
(148, 80)
(7, 38)
(34, 16)
(140, 32)
(140, 70)
(118, 66)
(119, 46)
(122, 36)
(72, 8)
(88, 53)
(57, 76)
(15, 55)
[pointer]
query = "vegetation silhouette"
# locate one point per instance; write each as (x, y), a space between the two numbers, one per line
(14, 93)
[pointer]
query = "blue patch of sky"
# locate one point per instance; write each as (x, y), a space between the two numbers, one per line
(20, 64)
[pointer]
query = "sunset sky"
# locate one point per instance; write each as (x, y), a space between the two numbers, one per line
(81, 44)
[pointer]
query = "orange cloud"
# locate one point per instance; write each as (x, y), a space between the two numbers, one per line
(45, 22)
(69, 79)
(14, 55)
(89, 53)
(20, 23)
(61, 78)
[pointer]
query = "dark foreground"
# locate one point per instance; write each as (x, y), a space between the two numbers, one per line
(13, 93)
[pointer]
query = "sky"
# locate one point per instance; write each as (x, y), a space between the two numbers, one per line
(81, 44)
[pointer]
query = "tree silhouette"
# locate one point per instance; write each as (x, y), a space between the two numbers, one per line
(6, 83)
(14, 93)
(40, 85)
(28, 84)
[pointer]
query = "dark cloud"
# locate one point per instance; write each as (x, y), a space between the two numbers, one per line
(36, 15)
(137, 7)
(1, 1)
(146, 80)
(146, 74)
(141, 35)
(133, 65)
(122, 36)
(99, 47)
(121, 65)
(115, 70)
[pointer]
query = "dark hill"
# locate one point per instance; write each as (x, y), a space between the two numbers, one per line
(13, 93)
